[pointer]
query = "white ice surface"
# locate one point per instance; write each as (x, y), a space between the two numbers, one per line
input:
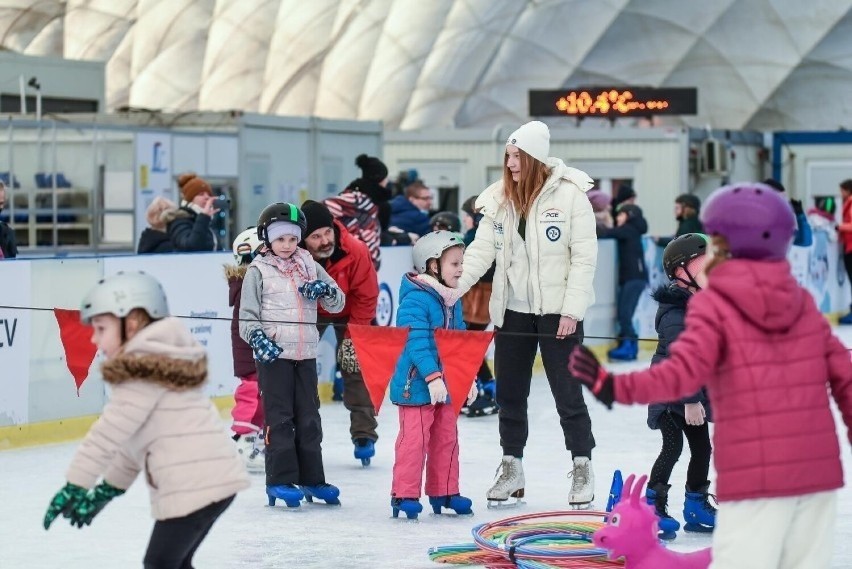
(361, 533)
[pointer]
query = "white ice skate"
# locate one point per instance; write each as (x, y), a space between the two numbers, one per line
(582, 484)
(508, 483)
(251, 450)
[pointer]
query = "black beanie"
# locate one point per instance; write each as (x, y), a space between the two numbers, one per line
(317, 216)
(371, 168)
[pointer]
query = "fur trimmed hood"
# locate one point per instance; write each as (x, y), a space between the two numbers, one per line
(235, 271)
(164, 352)
(170, 215)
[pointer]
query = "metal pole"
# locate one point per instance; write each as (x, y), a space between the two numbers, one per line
(94, 206)
(38, 104)
(23, 89)
(53, 193)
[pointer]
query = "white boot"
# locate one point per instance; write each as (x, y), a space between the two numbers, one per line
(250, 449)
(582, 485)
(509, 483)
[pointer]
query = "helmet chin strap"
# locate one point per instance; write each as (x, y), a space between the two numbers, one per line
(691, 281)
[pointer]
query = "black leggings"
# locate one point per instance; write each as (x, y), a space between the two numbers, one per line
(484, 373)
(174, 542)
(673, 428)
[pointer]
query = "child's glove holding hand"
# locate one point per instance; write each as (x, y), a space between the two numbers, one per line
(95, 501)
(437, 390)
(265, 350)
(586, 368)
(317, 289)
(473, 393)
(64, 503)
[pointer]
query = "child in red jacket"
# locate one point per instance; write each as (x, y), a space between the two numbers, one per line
(769, 361)
(247, 412)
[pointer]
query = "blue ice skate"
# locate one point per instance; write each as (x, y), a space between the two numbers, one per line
(337, 387)
(658, 497)
(485, 403)
(614, 490)
(409, 506)
(365, 449)
(326, 492)
(698, 513)
(291, 494)
(457, 502)
(626, 351)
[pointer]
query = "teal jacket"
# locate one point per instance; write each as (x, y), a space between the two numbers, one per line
(422, 309)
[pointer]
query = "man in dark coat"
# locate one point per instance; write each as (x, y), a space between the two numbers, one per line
(687, 208)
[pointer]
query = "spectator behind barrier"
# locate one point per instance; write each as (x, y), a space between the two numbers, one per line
(804, 236)
(686, 209)
(410, 211)
(189, 227)
(155, 237)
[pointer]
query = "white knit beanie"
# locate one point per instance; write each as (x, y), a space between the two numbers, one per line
(533, 138)
(278, 228)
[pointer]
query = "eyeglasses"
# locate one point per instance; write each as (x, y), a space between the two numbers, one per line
(426, 198)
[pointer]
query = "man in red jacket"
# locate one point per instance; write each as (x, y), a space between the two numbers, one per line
(347, 260)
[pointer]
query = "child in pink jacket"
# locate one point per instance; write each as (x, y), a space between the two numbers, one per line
(158, 420)
(248, 409)
(769, 361)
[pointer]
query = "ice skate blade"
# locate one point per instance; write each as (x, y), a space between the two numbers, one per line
(697, 528)
(505, 504)
(450, 515)
(365, 462)
(667, 535)
(581, 505)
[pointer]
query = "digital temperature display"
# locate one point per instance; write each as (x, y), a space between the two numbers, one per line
(614, 102)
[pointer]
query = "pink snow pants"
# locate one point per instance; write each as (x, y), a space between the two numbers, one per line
(428, 435)
(247, 412)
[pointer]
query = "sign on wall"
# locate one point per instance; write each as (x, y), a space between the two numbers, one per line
(153, 175)
(201, 301)
(15, 332)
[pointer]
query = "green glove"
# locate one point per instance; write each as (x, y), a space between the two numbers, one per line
(91, 505)
(64, 501)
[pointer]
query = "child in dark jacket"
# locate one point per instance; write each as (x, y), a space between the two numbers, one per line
(632, 276)
(248, 410)
(683, 261)
(428, 432)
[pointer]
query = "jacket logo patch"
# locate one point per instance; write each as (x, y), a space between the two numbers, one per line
(553, 233)
(498, 228)
(552, 215)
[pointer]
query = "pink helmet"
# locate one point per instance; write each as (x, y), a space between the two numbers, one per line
(757, 221)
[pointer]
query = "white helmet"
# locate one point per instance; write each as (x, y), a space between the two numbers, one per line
(432, 246)
(120, 293)
(246, 245)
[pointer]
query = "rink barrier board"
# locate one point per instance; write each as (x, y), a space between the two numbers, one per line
(72, 428)
(38, 393)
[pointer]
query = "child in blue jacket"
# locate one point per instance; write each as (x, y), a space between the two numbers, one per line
(427, 422)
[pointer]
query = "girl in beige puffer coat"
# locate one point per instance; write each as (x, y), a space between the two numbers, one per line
(158, 420)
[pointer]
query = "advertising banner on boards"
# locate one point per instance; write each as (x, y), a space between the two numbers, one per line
(15, 338)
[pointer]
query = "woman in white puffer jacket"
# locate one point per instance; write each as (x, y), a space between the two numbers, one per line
(539, 227)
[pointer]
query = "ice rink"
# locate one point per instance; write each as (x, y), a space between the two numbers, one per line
(361, 532)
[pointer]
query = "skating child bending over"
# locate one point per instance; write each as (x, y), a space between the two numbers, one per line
(157, 419)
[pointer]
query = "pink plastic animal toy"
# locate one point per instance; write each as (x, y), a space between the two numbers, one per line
(631, 533)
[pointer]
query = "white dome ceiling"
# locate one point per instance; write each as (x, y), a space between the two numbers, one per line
(757, 64)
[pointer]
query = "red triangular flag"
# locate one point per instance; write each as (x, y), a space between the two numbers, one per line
(461, 354)
(377, 348)
(77, 340)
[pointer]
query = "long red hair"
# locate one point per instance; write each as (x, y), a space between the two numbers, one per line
(533, 176)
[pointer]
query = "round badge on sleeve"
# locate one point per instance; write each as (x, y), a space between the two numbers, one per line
(553, 233)
(384, 307)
